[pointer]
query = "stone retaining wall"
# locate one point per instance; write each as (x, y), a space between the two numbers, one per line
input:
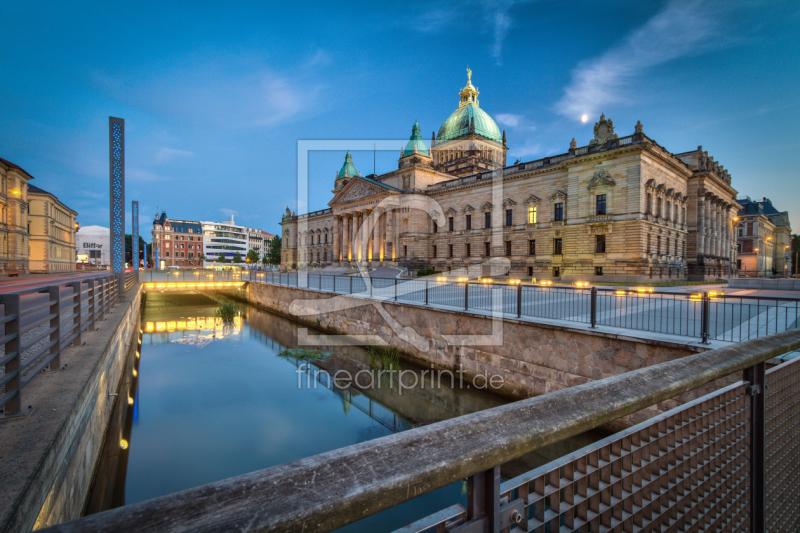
(532, 358)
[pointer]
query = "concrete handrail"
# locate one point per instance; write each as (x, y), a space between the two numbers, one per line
(333, 489)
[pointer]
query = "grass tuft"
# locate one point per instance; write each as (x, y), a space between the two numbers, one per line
(226, 311)
(303, 354)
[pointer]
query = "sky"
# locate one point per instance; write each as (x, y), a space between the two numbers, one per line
(217, 96)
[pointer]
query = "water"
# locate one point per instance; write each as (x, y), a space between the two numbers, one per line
(213, 401)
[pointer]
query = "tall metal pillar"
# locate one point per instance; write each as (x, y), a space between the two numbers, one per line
(135, 234)
(116, 149)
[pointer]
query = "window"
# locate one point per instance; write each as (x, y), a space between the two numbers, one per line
(749, 227)
(434, 250)
(601, 204)
(740, 231)
(648, 243)
(557, 246)
(508, 248)
(658, 245)
(532, 247)
(668, 214)
(530, 272)
(469, 221)
(531, 215)
(658, 207)
(667, 249)
(747, 246)
(487, 220)
(556, 272)
(467, 251)
(167, 254)
(435, 227)
(450, 249)
(600, 244)
(598, 271)
(509, 217)
(405, 250)
(559, 212)
(450, 224)
(488, 250)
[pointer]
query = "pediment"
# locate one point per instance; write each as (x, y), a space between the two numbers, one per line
(487, 205)
(558, 195)
(532, 199)
(356, 189)
(450, 211)
(468, 208)
(509, 201)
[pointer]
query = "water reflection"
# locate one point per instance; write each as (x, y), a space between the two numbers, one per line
(213, 400)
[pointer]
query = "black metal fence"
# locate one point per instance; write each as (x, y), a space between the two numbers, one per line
(707, 315)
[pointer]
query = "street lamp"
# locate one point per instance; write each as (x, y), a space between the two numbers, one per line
(730, 248)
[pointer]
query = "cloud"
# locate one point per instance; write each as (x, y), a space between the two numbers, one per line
(500, 17)
(230, 94)
(683, 28)
(527, 149)
(510, 120)
(137, 174)
(168, 154)
(228, 212)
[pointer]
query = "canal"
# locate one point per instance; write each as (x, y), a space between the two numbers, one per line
(208, 400)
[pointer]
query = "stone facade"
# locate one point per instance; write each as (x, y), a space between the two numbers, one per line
(14, 234)
(764, 239)
(617, 209)
(52, 233)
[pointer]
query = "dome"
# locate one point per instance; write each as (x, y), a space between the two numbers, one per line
(416, 144)
(348, 169)
(460, 123)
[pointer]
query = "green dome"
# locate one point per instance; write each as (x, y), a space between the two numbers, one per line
(457, 125)
(416, 142)
(348, 169)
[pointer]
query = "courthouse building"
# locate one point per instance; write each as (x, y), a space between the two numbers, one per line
(620, 208)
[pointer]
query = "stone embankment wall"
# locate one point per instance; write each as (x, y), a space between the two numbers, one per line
(532, 358)
(48, 460)
(786, 284)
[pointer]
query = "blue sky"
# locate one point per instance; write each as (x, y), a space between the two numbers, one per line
(215, 98)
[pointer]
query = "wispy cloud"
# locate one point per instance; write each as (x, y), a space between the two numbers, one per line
(168, 154)
(236, 93)
(499, 13)
(683, 28)
(228, 212)
(518, 122)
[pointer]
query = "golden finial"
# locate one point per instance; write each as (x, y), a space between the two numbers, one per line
(469, 75)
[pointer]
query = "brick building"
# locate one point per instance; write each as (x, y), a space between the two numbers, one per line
(177, 243)
(616, 209)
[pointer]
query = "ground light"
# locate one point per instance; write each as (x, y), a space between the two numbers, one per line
(123, 444)
(581, 284)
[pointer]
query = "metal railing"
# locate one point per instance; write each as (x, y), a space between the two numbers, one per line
(706, 465)
(38, 323)
(198, 274)
(698, 315)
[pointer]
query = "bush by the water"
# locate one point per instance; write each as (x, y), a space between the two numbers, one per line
(226, 310)
(303, 354)
(428, 272)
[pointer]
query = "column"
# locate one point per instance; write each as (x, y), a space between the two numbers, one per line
(335, 257)
(395, 236)
(358, 256)
(345, 237)
(699, 220)
(374, 239)
(382, 236)
(353, 230)
(366, 234)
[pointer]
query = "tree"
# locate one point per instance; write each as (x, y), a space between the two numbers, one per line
(274, 252)
(129, 249)
(252, 256)
(237, 257)
(221, 259)
(201, 257)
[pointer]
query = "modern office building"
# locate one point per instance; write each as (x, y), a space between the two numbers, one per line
(52, 233)
(92, 246)
(224, 239)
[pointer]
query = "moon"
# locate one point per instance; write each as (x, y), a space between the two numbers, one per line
(584, 118)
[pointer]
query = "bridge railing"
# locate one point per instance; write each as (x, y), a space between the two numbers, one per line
(37, 324)
(726, 461)
(707, 316)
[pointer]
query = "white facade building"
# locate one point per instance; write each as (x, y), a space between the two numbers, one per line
(93, 245)
(224, 239)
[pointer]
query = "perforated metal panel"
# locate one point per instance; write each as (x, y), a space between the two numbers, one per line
(783, 447)
(116, 139)
(135, 234)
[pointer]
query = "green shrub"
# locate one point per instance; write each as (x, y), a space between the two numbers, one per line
(226, 310)
(303, 354)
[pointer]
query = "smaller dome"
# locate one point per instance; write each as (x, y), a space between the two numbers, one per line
(348, 170)
(416, 144)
